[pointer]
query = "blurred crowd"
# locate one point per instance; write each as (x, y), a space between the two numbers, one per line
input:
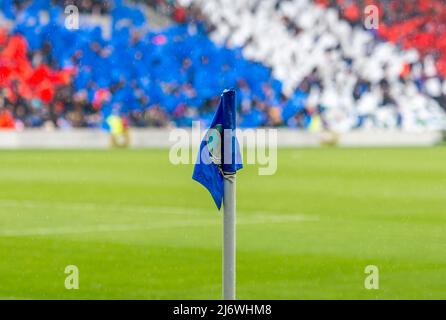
(336, 73)
(419, 24)
(152, 78)
(293, 64)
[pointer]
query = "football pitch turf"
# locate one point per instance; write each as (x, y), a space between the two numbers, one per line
(138, 227)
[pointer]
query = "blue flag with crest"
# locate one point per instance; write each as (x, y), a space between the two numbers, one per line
(219, 152)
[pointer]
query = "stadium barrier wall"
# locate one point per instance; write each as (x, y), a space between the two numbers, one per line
(159, 138)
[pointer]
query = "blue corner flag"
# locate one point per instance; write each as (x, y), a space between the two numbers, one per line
(219, 151)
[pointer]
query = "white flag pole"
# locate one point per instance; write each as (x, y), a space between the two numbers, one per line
(229, 237)
(229, 169)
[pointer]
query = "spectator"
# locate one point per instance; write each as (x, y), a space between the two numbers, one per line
(6, 118)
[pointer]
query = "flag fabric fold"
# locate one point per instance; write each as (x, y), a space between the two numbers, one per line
(219, 153)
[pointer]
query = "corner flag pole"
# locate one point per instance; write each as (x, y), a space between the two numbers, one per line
(229, 168)
(229, 238)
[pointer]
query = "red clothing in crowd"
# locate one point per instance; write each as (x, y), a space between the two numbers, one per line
(40, 82)
(179, 14)
(6, 120)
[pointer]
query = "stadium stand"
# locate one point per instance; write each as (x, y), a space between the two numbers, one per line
(416, 24)
(410, 24)
(357, 80)
(155, 78)
(294, 64)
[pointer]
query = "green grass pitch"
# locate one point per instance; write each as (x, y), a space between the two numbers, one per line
(138, 227)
